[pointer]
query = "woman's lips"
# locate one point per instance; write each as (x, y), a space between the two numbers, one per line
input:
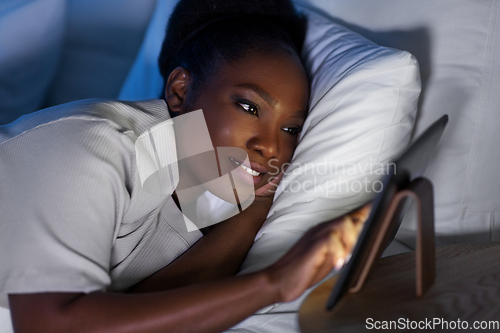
(248, 172)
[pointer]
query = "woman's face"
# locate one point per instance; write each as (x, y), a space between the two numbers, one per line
(257, 104)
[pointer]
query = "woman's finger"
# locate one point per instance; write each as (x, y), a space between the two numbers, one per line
(336, 247)
(323, 269)
(349, 234)
(270, 187)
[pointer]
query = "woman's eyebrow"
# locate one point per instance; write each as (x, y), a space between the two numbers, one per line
(259, 91)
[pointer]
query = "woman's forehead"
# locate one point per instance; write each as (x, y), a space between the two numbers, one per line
(274, 76)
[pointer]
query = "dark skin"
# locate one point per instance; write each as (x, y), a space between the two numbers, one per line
(253, 105)
(198, 292)
(267, 134)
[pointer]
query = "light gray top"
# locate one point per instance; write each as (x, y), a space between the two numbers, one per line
(73, 214)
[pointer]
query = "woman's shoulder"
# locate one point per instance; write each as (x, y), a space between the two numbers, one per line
(134, 117)
(88, 139)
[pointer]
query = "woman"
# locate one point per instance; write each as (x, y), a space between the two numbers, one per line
(86, 228)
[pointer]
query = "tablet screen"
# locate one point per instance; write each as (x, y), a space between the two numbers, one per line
(377, 233)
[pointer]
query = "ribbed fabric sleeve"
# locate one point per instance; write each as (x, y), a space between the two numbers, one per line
(73, 214)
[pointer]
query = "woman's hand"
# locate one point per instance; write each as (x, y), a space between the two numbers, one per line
(268, 189)
(320, 250)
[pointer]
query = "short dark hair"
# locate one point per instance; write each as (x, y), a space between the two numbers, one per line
(202, 33)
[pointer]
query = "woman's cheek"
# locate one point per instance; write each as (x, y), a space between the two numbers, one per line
(224, 131)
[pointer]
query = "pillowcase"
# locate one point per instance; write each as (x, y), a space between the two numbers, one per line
(30, 45)
(362, 110)
(458, 48)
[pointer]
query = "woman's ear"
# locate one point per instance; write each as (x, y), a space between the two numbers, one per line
(176, 89)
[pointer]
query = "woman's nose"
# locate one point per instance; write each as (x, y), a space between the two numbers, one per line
(265, 143)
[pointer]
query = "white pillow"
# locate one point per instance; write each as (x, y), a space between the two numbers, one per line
(362, 110)
(363, 104)
(458, 47)
(30, 43)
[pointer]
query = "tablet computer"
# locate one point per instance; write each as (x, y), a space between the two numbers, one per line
(409, 166)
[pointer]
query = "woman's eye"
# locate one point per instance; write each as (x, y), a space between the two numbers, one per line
(293, 130)
(252, 109)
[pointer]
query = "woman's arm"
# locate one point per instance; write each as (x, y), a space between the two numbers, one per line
(216, 255)
(220, 252)
(209, 307)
